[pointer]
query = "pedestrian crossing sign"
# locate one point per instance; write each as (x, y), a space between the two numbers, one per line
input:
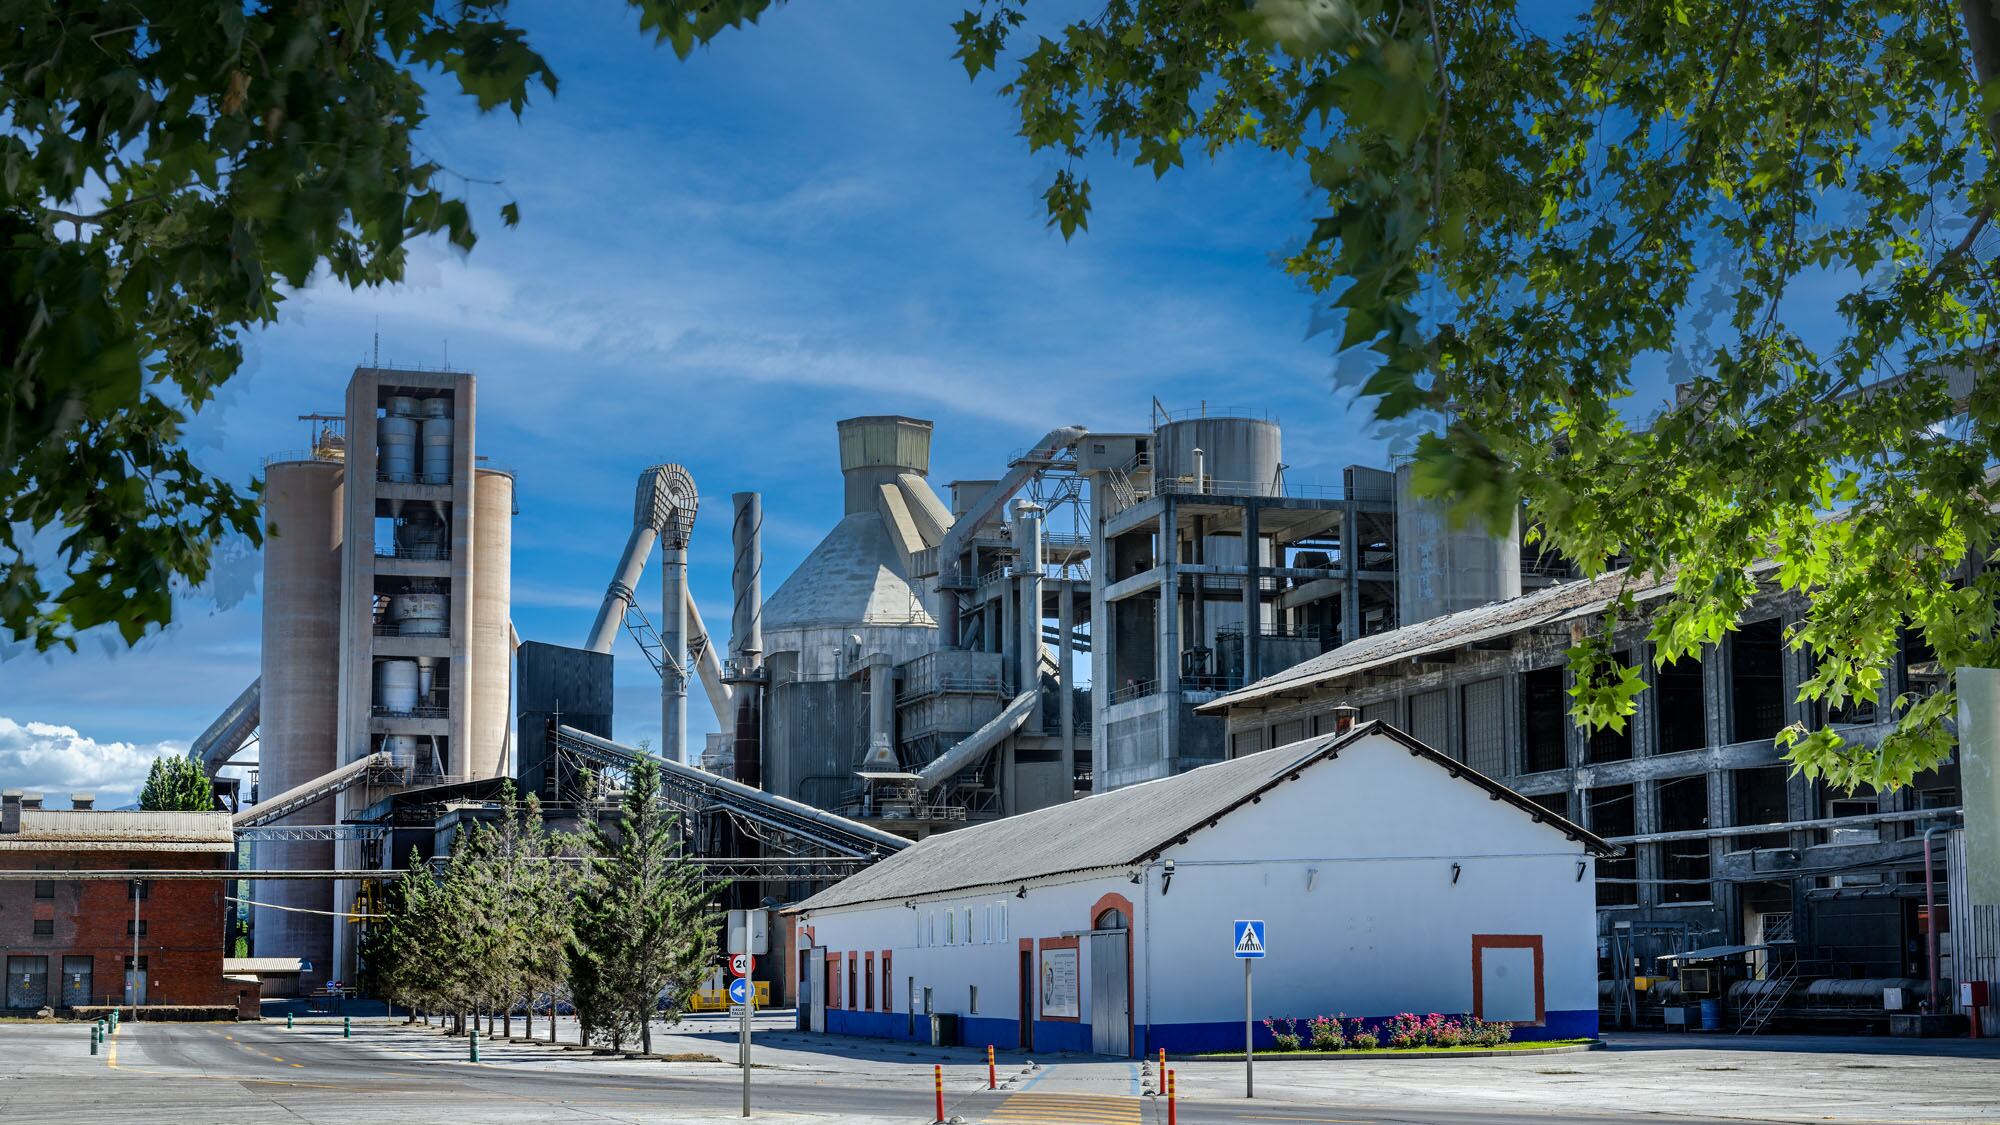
(1249, 937)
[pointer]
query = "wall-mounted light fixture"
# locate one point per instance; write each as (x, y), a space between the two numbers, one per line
(1138, 877)
(1166, 877)
(1023, 892)
(1455, 869)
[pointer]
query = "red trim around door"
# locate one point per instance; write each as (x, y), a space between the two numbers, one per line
(1483, 942)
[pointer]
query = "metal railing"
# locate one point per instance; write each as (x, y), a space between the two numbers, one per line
(414, 554)
(384, 629)
(437, 709)
(1138, 689)
(1211, 486)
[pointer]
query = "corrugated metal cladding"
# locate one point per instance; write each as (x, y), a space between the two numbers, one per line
(1430, 719)
(889, 440)
(1382, 710)
(1975, 930)
(1245, 742)
(1292, 730)
(1484, 727)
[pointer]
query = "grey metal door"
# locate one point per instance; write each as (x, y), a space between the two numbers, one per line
(27, 982)
(816, 987)
(76, 980)
(1110, 1001)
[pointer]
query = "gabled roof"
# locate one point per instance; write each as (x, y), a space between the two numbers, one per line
(1555, 605)
(93, 830)
(1129, 826)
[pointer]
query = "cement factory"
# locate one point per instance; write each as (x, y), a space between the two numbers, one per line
(1105, 609)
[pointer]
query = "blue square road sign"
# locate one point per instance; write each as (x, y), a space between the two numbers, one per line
(1249, 937)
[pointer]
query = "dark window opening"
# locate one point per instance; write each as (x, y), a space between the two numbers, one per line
(139, 890)
(45, 927)
(1757, 680)
(1923, 676)
(1543, 733)
(1684, 808)
(1680, 706)
(1609, 745)
(1557, 803)
(1760, 799)
(141, 924)
(45, 888)
(1611, 815)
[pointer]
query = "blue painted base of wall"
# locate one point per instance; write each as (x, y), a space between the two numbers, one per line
(973, 1031)
(1201, 1038)
(1177, 1038)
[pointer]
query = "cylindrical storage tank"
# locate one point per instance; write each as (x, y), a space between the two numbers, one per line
(1240, 456)
(426, 675)
(437, 451)
(438, 407)
(401, 748)
(491, 651)
(300, 718)
(420, 614)
(396, 686)
(399, 448)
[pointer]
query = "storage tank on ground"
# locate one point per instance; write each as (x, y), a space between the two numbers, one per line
(300, 695)
(1239, 456)
(491, 649)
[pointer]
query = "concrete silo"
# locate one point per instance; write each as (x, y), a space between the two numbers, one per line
(491, 650)
(849, 610)
(301, 677)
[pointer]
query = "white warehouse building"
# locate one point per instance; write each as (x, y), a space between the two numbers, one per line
(1390, 877)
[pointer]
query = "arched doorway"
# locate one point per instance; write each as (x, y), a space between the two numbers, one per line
(1111, 977)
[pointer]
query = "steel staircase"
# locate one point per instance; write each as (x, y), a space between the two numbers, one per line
(1771, 998)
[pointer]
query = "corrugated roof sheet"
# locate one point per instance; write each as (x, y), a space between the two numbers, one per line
(263, 965)
(94, 831)
(1123, 827)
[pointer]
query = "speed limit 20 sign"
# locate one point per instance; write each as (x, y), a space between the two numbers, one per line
(740, 964)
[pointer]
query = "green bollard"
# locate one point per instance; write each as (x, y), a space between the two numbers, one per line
(347, 1027)
(288, 1021)
(93, 1040)
(475, 1046)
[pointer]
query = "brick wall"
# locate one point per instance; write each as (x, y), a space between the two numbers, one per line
(181, 944)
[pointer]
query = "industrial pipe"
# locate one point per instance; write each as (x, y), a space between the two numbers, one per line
(746, 636)
(1930, 926)
(985, 507)
(230, 730)
(1028, 564)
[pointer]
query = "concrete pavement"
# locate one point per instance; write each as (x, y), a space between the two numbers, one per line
(392, 1072)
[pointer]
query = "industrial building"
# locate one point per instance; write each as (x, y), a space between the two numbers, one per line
(1105, 925)
(1823, 892)
(70, 942)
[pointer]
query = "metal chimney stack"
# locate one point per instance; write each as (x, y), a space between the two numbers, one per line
(746, 634)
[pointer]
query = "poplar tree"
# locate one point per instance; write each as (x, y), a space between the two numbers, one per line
(177, 784)
(646, 925)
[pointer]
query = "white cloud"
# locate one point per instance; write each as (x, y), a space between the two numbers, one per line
(48, 758)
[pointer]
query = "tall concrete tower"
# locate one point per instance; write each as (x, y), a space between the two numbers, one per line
(385, 625)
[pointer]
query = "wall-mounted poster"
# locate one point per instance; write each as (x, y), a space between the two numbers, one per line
(1059, 988)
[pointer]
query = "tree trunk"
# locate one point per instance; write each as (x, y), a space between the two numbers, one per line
(529, 1016)
(646, 1032)
(507, 1021)
(1982, 27)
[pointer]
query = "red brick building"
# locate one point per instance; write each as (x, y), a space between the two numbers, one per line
(67, 942)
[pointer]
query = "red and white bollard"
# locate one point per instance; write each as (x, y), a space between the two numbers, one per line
(937, 1073)
(1170, 1098)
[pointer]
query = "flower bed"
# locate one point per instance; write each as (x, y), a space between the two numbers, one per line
(1405, 1031)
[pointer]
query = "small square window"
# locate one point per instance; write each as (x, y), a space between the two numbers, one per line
(45, 927)
(45, 888)
(141, 924)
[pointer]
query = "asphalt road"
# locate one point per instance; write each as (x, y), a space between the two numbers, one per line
(264, 1072)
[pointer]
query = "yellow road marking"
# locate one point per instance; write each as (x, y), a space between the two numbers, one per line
(1069, 1109)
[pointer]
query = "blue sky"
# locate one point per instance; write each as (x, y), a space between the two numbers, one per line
(718, 258)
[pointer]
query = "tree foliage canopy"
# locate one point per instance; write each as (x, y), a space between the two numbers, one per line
(168, 167)
(1783, 204)
(176, 784)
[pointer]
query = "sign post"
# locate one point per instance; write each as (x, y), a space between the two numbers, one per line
(743, 996)
(1249, 947)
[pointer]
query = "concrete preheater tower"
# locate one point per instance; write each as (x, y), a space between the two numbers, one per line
(387, 572)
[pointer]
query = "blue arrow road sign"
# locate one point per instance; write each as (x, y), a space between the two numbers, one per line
(1249, 937)
(739, 990)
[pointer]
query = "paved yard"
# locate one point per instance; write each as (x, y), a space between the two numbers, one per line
(389, 1071)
